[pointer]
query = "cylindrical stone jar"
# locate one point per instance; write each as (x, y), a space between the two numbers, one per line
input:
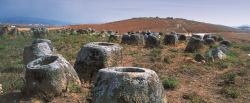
(49, 73)
(128, 85)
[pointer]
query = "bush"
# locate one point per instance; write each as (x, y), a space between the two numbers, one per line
(2, 47)
(155, 52)
(169, 83)
(173, 50)
(231, 93)
(230, 78)
(167, 60)
(245, 48)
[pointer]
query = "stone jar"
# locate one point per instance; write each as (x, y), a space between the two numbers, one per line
(97, 55)
(128, 85)
(49, 73)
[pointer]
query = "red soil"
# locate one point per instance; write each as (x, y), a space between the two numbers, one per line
(156, 24)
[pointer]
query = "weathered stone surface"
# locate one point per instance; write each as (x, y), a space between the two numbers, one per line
(225, 49)
(132, 32)
(39, 33)
(39, 48)
(149, 32)
(194, 44)
(215, 38)
(82, 31)
(207, 36)
(44, 29)
(220, 39)
(58, 31)
(197, 36)
(103, 31)
(73, 30)
(199, 57)
(93, 30)
(216, 54)
(227, 43)
(178, 35)
(172, 32)
(155, 34)
(125, 39)
(47, 41)
(25, 34)
(182, 37)
(4, 31)
(14, 32)
(89, 29)
(49, 73)
(144, 32)
(145, 37)
(128, 85)
(97, 55)
(110, 31)
(170, 39)
(209, 41)
(35, 51)
(32, 29)
(136, 39)
(160, 33)
(152, 41)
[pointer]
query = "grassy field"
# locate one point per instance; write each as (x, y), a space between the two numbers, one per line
(184, 79)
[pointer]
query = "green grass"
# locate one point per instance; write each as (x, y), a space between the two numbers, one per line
(173, 50)
(230, 78)
(170, 83)
(2, 47)
(167, 60)
(229, 92)
(155, 52)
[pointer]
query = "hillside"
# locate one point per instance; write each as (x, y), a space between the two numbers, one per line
(156, 24)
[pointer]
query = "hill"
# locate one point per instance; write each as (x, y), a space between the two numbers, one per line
(156, 24)
(30, 20)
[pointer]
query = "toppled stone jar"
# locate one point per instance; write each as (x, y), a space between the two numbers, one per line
(128, 85)
(49, 73)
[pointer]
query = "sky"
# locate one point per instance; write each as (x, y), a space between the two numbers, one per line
(223, 12)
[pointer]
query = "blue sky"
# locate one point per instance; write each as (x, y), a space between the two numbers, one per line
(224, 12)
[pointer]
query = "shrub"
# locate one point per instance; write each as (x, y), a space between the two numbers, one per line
(155, 52)
(245, 48)
(167, 60)
(169, 83)
(230, 78)
(231, 93)
(173, 50)
(2, 47)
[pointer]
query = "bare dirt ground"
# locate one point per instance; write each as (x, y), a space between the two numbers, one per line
(27, 29)
(154, 24)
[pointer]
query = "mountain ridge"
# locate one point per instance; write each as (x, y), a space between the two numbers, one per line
(31, 20)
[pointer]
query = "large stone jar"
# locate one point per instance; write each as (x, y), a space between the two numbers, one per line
(97, 55)
(49, 73)
(128, 85)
